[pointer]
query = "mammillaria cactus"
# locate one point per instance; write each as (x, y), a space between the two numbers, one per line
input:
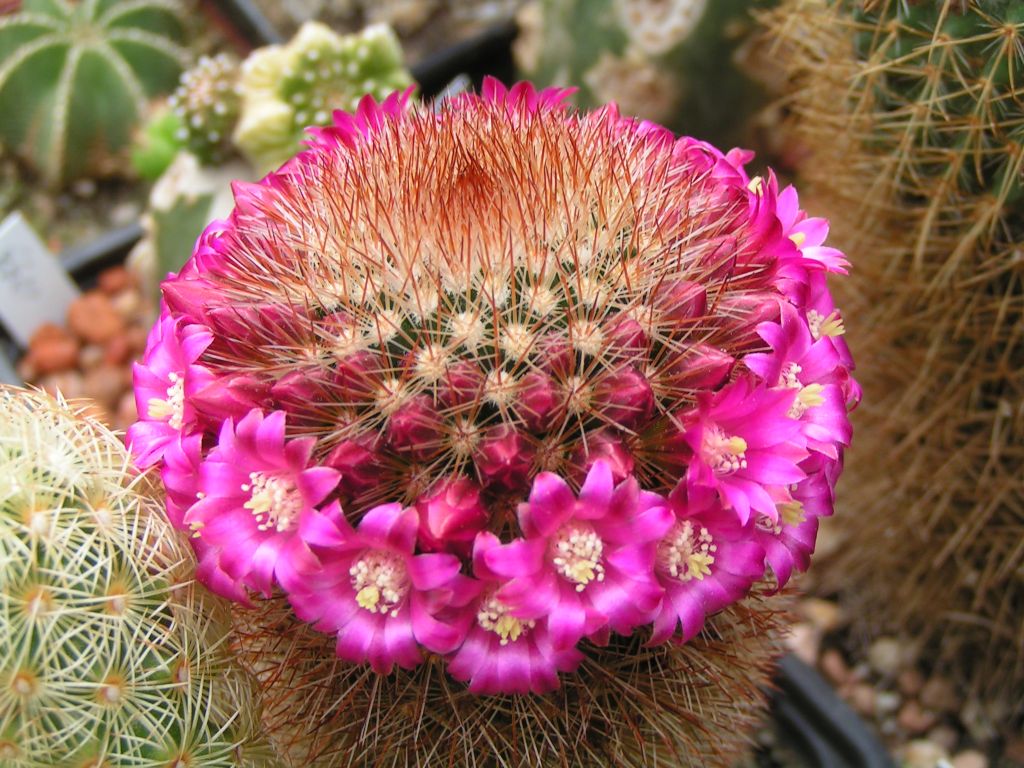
(75, 79)
(109, 653)
(920, 168)
(506, 391)
(287, 88)
(207, 103)
(664, 60)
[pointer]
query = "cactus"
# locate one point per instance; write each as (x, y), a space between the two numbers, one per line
(207, 103)
(287, 88)
(76, 78)
(669, 61)
(521, 380)
(673, 705)
(109, 653)
(920, 168)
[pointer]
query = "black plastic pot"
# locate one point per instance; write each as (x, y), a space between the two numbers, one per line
(816, 725)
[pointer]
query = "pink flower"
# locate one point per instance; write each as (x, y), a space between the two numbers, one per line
(812, 369)
(451, 516)
(501, 653)
(586, 564)
(745, 446)
(705, 562)
(164, 382)
(789, 540)
(373, 592)
(808, 234)
(255, 489)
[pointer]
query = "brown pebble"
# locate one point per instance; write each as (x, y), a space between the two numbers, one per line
(804, 641)
(862, 699)
(137, 336)
(969, 758)
(922, 754)
(914, 719)
(68, 383)
(90, 356)
(118, 350)
(1014, 750)
(823, 614)
(944, 735)
(93, 318)
(834, 667)
(940, 695)
(105, 384)
(910, 682)
(51, 349)
(115, 280)
(128, 304)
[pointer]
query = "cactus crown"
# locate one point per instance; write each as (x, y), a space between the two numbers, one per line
(76, 77)
(207, 103)
(107, 656)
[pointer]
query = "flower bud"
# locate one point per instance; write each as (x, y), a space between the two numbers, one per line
(504, 457)
(451, 515)
(624, 397)
(537, 401)
(608, 446)
(413, 429)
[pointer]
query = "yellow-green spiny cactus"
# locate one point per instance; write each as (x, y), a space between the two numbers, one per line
(109, 654)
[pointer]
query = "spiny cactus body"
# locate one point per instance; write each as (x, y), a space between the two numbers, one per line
(207, 103)
(919, 165)
(666, 706)
(109, 654)
(664, 60)
(75, 79)
(287, 88)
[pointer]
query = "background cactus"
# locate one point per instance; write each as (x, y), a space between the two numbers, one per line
(207, 103)
(287, 88)
(919, 168)
(75, 78)
(664, 60)
(109, 653)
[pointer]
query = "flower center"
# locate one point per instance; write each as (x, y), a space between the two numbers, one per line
(171, 407)
(724, 453)
(687, 552)
(577, 555)
(808, 397)
(275, 501)
(791, 512)
(493, 615)
(380, 581)
(822, 325)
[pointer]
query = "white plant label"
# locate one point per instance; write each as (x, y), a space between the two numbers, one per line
(34, 288)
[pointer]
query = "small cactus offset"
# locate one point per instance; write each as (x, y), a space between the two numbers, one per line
(109, 654)
(207, 103)
(75, 79)
(287, 88)
(921, 167)
(664, 60)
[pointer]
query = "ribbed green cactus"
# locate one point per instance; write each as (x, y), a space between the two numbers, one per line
(109, 654)
(910, 120)
(664, 60)
(287, 88)
(76, 77)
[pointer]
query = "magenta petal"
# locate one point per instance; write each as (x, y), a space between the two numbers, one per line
(391, 523)
(433, 571)
(551, 503)
(521, 557)
(357, 637)
(596, 492)
(399, 645)
(433, 634)
(567, 619)
(316, 483)
(319, 530)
